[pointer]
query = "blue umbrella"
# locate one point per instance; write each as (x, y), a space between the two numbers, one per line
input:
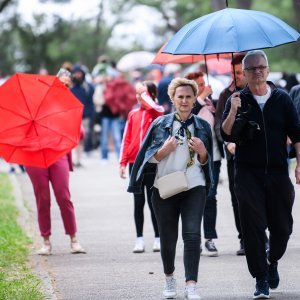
(231, 30)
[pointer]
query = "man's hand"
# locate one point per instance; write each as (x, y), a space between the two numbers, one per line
(297, 174)
(231, 148)
(236, 102)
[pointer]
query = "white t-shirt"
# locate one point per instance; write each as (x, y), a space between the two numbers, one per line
(177, 161)
(261, 100)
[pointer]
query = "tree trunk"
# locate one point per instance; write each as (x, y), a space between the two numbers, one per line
(244, 4)
(219, 4)
(99, 21)
(296, 6)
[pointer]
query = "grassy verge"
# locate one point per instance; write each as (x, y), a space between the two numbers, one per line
(16, 280)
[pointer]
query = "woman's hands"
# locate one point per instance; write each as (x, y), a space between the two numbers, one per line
(198, 146)
(122, 172)
(169, 146)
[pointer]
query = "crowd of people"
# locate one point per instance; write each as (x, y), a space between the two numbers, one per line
(172, 126)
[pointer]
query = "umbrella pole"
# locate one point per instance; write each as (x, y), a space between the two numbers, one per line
(233, 71)
(206, 70)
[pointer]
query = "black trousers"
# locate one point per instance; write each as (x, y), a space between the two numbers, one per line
(188, 205)
(139, 203)
(230, 172)
(265, 201)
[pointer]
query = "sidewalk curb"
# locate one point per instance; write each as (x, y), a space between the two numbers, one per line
(37, 264)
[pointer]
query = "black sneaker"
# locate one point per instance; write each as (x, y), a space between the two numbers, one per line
(262, 290)
(241, 251)
(211, 248)
(273, 276)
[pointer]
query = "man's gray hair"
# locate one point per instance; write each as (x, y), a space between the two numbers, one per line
(254, 53)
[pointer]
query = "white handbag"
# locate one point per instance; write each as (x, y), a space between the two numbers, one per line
(172, 184)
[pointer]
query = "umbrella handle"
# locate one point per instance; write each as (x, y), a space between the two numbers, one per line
(233, 66)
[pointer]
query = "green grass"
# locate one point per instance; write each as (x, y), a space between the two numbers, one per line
(17, 282)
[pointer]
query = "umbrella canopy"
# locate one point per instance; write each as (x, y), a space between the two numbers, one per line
(39, 120)
(219, 66)
(163, 58)
(135, 60)
(231, 30)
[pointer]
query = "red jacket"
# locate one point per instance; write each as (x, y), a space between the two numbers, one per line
(138, 122)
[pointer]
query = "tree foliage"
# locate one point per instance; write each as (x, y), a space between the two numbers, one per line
(28, 47)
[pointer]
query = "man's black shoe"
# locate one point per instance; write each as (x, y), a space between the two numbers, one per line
(262, 290)
(273, 276)
(241, 251)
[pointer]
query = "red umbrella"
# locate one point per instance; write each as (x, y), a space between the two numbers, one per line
(39, 120)
(167, 58)
(219, 66)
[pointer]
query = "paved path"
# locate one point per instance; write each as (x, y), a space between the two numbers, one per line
(110, 270)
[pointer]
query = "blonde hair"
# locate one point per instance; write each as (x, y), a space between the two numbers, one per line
(177, 82)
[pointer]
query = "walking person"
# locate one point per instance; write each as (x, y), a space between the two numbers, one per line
(205, 109)
(83, 91)
(259, 119)
(138, 122)
(237, 84)
(119, 99)
(58, 175)
(178, 142)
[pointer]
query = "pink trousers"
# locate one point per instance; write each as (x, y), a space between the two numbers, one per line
(58, 175)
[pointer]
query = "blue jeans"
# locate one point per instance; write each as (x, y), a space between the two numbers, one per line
(190, 206)
(210, 211)
(110, 125)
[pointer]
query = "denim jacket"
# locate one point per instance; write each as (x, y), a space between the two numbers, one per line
(157, 134)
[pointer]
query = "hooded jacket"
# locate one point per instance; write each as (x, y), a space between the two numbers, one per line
(138, 122)
(277, 121)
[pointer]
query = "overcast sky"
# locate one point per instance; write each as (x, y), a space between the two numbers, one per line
(143, 19)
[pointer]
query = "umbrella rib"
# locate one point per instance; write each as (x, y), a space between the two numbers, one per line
(12, 153)
(56, 113)
(28, 107)
(24, 97)
(3, 131)
(208, 32)
(59, 133)
(15, 113)
(266, 36)
(37, 111)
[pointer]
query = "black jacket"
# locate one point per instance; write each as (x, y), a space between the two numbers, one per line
(295, 95)
(157, 134)
(277, 121)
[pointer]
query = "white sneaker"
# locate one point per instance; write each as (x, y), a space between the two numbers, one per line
(190, 292)
(76, 248)
(45, 250)
(170, 288)
(156, 245)
(139, 246)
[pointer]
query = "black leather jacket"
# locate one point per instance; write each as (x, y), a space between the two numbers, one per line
(157, 134)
